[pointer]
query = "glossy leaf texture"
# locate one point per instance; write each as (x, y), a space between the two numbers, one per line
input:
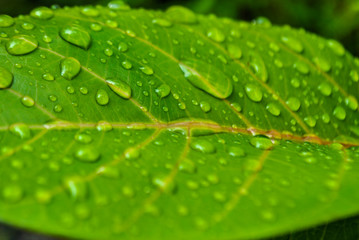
(121, 124)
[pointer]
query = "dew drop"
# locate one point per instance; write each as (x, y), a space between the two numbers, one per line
(118, 5)
(126, 65)
(48, 77)
(122, 47)
(293, 103)
(87, 154)
(119, 87)
(162, 22)
(234, 51)
(77, 188)
(292, 43)
(6, 78)
(322, 64)
(163, 90)
(336, 47)
(76, 35)
(90, 12)
(236, 151)
(12, 194)
(205, 106)
(253, 92)
(146, 70)
(132, 153)
(257, 65)
(43, 196)
(181, 14)
(274, 109)
(109, 172)
(43, 13)
(354, 75)
(203, 146)
(83, 138)
(216, 35)
(27, 101)
(340, 113)
(95, 27)
(311, 121)
(102, 97)
(104, 126)
(301, 67)
(187, 166)
(21, 45)
(351, 102)
(20, 130)
(261, 143)
(325, 89)
(70, 68)
(6, 21)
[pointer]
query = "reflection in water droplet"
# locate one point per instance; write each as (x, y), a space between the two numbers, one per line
(70, 68)
(121, 88)
(257, 65)
(21, 45)
(76, 35)
(163, 91)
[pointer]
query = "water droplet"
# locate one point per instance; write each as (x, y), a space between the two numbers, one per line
(27, 26)
(292, 43)
(104, 126)
(27, 101)
(325, 89)
(77, 188)
(108, 52)
(58, 108)
(261, 143)
(6, 21)
(210, 79)
(205, 106)
(6, 78)
(146, 70)
(216, 35)
(76, 35)
(126, 65)
(102, 97)
(336, 47)
(257, 65)
(119, 87)
(128, 191)
(273, 108)
(311, 121)
(203, 146)
(162, 22)
(47, 39)
(293, 103)
(236, 151)
(354, 75)
(181, 14)
(43, 196)
(122, 47)
(70, 68)
(322, 64)
(351, 102)
(132, 153)
(163, 91)
(90, 12)
(48, 77)
(43, 13)
(83, 138)
(21, 44)
(21, 130)
(109, 172)
(87, 154)
(326, 118)
(82, 212)
(118, 5)
(12, 194)
(187, 166)
(235, 51)
(96, 27)
(295, 82)
(301, 67)
(340, 113)
(253, 92)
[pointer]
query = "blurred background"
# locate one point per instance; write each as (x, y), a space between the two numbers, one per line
(337, 19)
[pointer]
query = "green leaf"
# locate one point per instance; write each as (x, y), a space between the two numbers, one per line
(146, 125)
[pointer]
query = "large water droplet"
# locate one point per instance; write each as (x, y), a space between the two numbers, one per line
(257, 65)
(236, 151)
(121, 88)
(181, 14)
(70, 67)
(102, 97)
(203, 146)
(27, 101)
(163, 91)
(301, 67)
(336, 47)
(21, 130)
(6, 78)
(118, 5)
(77, 188)
(234, 50)
(216, 35)
(253, 92)
(293, 44)
(351, 102)
(208, 78)
(340, 113)
(187, 166)
(322, 64)
(76, 35)
(21, 44)
(273, 108)
(325, 89)
(42, 13)
(90, 12)
(293, 103)
(261, 143)
(311, 121)
(6, 21)
(205, 106)
(87, 154)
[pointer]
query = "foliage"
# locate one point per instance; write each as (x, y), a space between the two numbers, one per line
(119, 123)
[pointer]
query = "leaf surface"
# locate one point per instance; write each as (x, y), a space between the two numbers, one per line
(119, 123)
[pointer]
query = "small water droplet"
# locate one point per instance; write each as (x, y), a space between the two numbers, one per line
(21, 45)
(43, 13)
(76, 35)
(354, 75)
(6, 78)
(21, 130)
(119, 87)
(340, 113)
(147, 70)
(162, 22)
(336, 47)
(77, 188)
(235, 51)
(83, 138)
(216, 35)
(293, 103)
(273, 108)
(70, 68)
(301, 67)
(253, 92)
(122, 47)
(90, 12)
(102, 97)
(95, 27)
(12, 194)
(109, 172)
(236, 151)
(351, 102)
(132, 153)
(311, 121)
(6, 21)
(181, 14)
(322, 64)
(325, 89)
(203, 146)
(292, 43)
(126, 65)
(27, 101)
(43, 196)
(163, 90)
(261, 143)
(48, 77)
(104, 126)
(187, 166)
(205, 106)
(118, 5)
(87, 154)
